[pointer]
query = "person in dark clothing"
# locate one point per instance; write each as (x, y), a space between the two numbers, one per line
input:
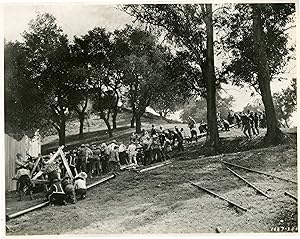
(202, 127)
(156, 149)
(230, 118)
(263, 120)
(237, 119)
(153, 131)
(82, 154)
(246, 126)
(251, 117)
(179, 138)
(56, 194)
(225, 125)
(256, 122)
(69, 189)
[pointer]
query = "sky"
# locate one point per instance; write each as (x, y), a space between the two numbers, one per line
(79, 18)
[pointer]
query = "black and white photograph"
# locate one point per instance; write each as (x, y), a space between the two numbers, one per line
(151, 118)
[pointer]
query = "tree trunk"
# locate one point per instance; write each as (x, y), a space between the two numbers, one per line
(132, 122)
(106, 121)
(114, 118)
(62, 132)
(81, 121)
(274, 134)
(109, 130)
(133, 116)
(138, 125)
(115, 113)
(212, 138)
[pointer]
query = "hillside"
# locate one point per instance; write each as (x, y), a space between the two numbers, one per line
(163, 201)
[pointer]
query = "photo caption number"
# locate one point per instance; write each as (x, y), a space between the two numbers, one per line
(284, 229)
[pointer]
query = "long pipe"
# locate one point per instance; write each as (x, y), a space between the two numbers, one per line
(153, 167)
(44, 204)
(17, 214)
(249, 169)
(216, 195)
(101, 181)
(292, 196)
(250, 184)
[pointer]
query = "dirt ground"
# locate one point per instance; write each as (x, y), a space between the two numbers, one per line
(163, 200)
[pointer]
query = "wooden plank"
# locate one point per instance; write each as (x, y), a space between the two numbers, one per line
(20, 213)
(218, 196)
(255, 171)
(250, 184)
(55, 155)
(153, 167)
(34, 166)
(66, 163)
(290, 195)
(40, 173)
(101, 181)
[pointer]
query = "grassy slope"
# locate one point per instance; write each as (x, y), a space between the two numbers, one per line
(162, 200)
(97, 132)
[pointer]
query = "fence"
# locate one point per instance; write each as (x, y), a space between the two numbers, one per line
(12, 147)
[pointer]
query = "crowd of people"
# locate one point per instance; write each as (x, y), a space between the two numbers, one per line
(250, 122)
(88, 161)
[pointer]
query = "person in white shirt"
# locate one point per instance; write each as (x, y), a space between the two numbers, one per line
(132, 153)
(123, 154)
(80, 184)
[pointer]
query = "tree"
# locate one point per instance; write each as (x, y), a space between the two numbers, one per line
(191, 28)
(100, 54)
(51, 70)
(258, 44)
(144, 72)
(285, 103)
(24, 111)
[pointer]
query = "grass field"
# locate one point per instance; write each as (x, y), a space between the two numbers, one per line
(163, 200)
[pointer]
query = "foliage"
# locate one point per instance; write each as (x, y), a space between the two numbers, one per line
(23, 109)
(285, 103)
(239, 43)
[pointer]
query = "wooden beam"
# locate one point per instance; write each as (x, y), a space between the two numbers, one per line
(44, 204)
(290, 195)
(40, 173)
(101, 181)
(250, 184)
(155, 166)
(20, 213)
(218, 196)
(66, 163)
(252, 170)
(35, 165)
